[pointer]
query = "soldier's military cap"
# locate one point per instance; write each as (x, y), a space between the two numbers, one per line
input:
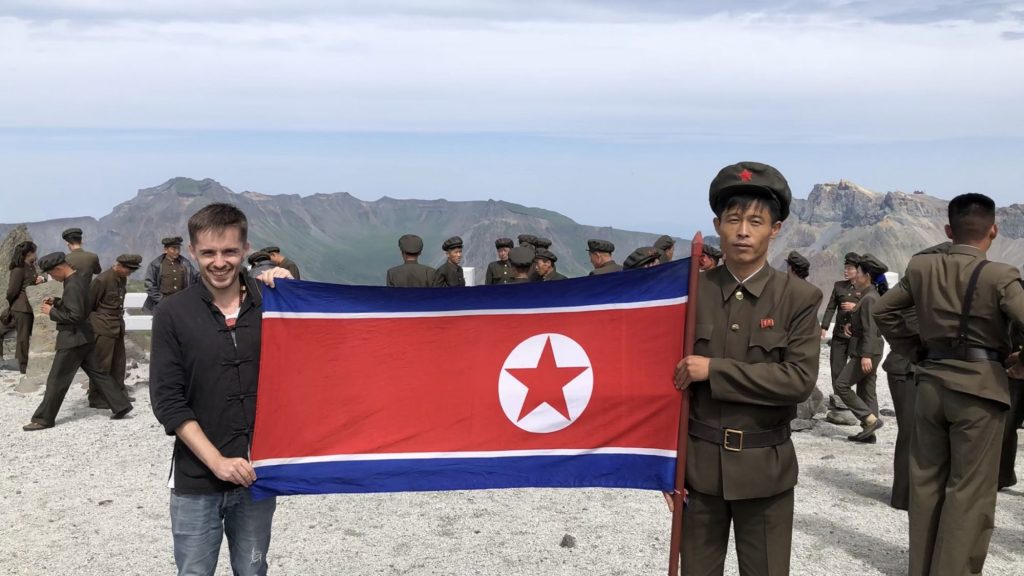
(546, 254)
(410, 244)
(451, 243)
(600, 246)
(527, 239)
(130, 261)
(942, 248)
(851, 259)
(798, 262)
(641, 257)
(751, 178)
(172, 241)
(542, 242)
(72, 235)
(872, 265)
(271, 250)
(664, 242)
(521, 256)
(712, 251)
(258, 256)
(50, 261)
(504, 243)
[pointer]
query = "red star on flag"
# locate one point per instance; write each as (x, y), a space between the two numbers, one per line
(746, 175)
(546, 383)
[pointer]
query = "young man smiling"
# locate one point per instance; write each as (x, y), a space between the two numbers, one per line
(755, 359)
(204, 372)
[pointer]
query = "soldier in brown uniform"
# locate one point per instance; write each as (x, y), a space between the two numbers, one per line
(521, 258)
(411, 274)
(500, 271)
(83, 261)
(865, 350)
(107, 296)
(281, 261)
(709, 258)
(544, 265)
(798, 265)
(644, 257)
(168, 274)
(74, 346)
(965, 305)
(23, 274)
(601, 257)
(840, 303)
(667, 245)
(755, 359)
(450, 273)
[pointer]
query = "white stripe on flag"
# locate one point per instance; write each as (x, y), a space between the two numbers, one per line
(494, 312)
(492, 454)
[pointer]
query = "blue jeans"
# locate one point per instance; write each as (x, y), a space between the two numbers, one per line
(199, 523)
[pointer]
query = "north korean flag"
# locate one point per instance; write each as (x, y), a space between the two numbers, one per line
(547, 384)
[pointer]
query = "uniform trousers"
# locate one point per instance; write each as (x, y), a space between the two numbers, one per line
(1014, 419)
(62, 372)
(23, 322)
(904, 394)
(838, 354)
(763, 528)
(954, 465)
(865, 400)
(110, 359)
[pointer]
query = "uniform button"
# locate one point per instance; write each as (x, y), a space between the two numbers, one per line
(734, 327)
(739, 295)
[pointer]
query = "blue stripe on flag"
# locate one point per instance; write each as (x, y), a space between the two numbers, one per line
(643, 472)
(667, 281)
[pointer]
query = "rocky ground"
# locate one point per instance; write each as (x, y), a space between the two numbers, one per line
(88, 497)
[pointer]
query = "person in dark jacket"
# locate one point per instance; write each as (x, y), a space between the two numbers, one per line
(411, 274)
(107, 293)
(203, 385)
(74, 346)
(282, 261)
(500, 271)
(450, 273)
(84, 262)
(601, 257)
(168, 274)
(23, 274)
(544, 264)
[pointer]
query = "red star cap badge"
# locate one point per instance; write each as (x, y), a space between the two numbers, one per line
(746, 175)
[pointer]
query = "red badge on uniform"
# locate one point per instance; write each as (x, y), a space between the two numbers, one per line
(746, 175)
(767, 323)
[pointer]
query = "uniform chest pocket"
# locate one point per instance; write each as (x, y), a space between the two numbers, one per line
(768, 344)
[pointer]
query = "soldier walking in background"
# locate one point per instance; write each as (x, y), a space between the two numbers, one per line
(281, 261)
(168, 274)
(74, 347)
(450, 273)
(667, 245)
(965, 305)
(840, 304)
(709, 258)
(107, 293)
(544, 264)
(521, 258)
(798, 265)
(83, 261)
(644, 257)
(601, 257)
(755, 359)
(411, 274)
(500, 271)
(865, 350)
(23, 274)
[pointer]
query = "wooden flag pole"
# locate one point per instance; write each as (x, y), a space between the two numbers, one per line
(689, 337)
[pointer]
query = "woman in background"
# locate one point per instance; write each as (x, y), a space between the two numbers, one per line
(23, 275)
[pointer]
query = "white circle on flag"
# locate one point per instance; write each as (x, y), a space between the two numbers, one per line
(564, 360)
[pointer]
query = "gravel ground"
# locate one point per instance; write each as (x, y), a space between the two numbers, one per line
(88, 497)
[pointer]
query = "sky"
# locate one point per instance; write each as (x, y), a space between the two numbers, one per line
(612, 112)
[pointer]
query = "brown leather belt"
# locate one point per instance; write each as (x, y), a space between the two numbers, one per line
(965, 354)
(737, 440)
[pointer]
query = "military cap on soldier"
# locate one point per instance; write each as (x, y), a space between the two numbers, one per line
(712, 252)
(130, 261)
(527, 239)
(800, 264)
(452, 243)
(546, 254)
(410, 244)
(521, 256)
(72, 235)
(258, 256)
(851, 259)
(600, 246)
(171, 241)
(872, 265)
(504, 243)
(542, 242)
(664, 242)
(271, 250)
(641, 257)
(50, 261)
(750, 178)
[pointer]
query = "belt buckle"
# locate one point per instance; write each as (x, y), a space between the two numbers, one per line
(728, 445)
